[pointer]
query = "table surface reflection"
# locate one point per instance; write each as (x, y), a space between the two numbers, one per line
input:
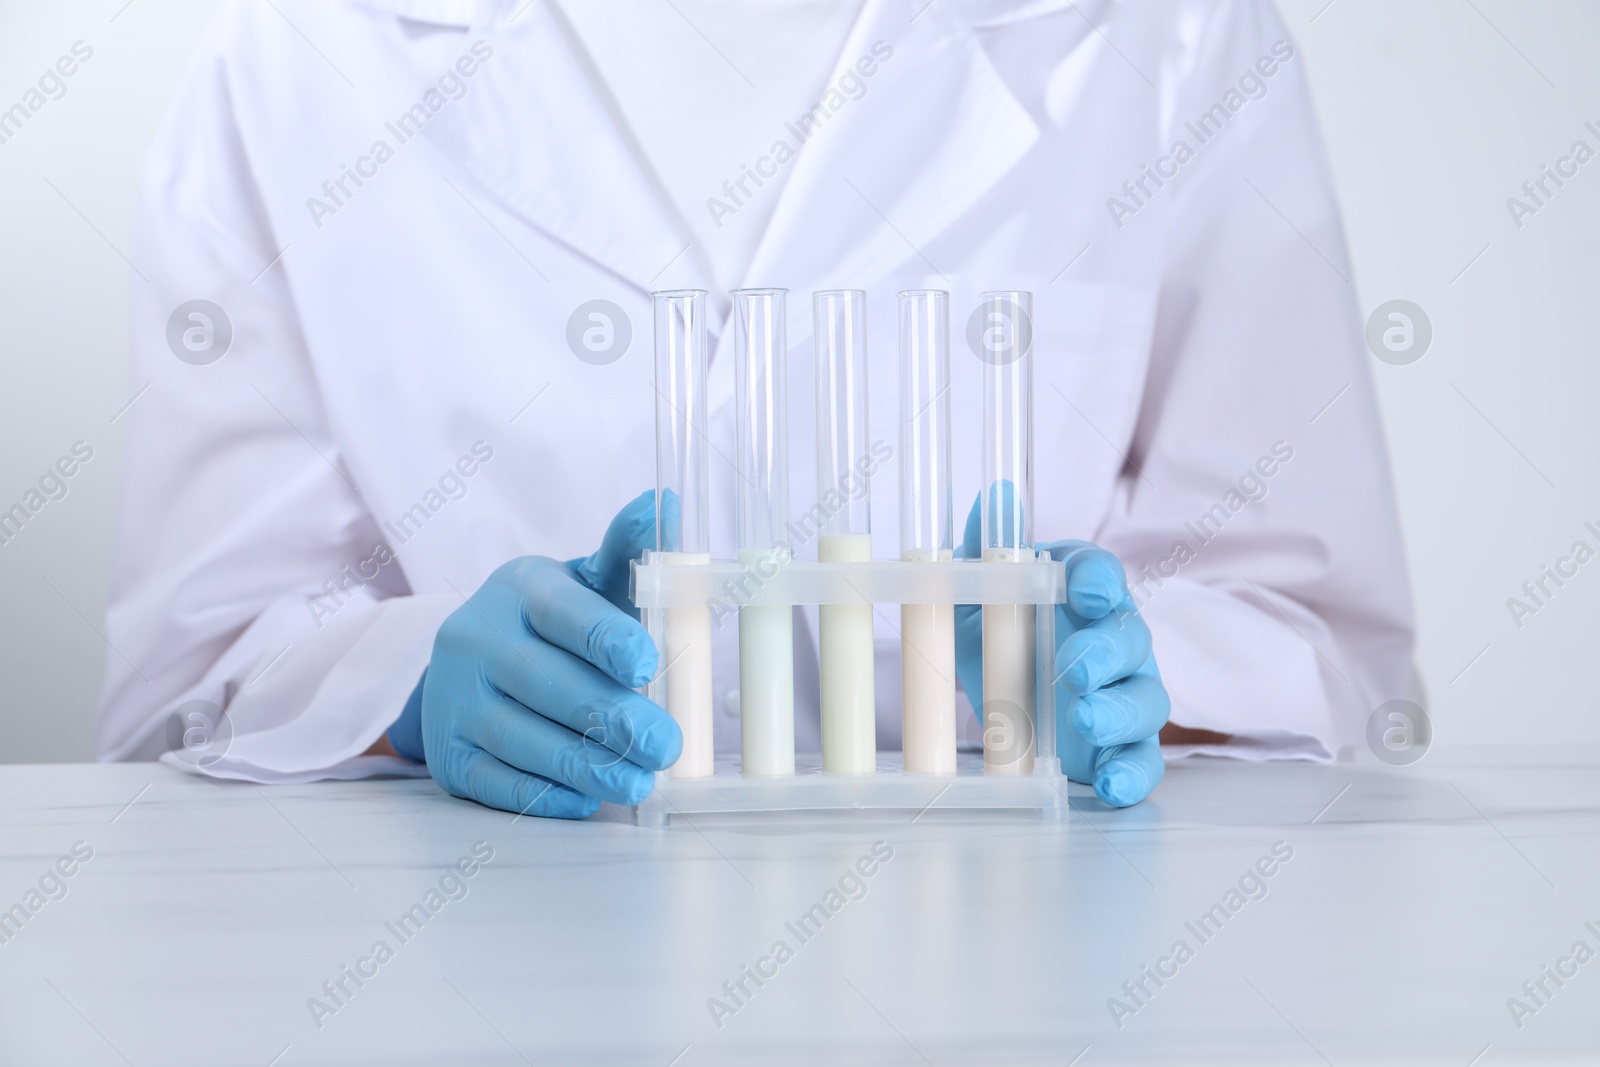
(1280, 913)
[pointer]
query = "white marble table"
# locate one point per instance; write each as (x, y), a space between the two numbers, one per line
(1416, 902)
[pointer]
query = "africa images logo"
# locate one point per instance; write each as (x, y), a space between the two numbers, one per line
(599, 332)
(199, 332)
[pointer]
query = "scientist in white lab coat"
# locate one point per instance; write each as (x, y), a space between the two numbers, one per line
(368, 425)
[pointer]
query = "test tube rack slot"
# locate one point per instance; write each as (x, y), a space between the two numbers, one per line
(656, 587)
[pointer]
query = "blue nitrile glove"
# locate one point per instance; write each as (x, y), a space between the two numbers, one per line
(528, 702)
(1108, 689)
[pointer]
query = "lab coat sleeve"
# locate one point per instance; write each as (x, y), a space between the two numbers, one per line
(248, 571)
(1256, 516)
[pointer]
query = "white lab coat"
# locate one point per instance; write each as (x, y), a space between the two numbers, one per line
(1187, 334)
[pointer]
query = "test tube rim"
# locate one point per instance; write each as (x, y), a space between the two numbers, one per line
(991, 293)
(817, 294)
(679, 292)
(757, 291)
(924, 292)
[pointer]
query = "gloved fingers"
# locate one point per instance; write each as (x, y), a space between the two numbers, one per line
(1105, 651)
(570, 615)
(1125, 774)
(1096, 581)
(405, 734)
(479, 776)
(630, 534)
(581, 761)
(1127, 711)
(1077, 755)
(570, 691)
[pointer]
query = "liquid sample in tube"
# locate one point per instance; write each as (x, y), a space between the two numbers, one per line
(927, 631)
(849, 718)
(844, 463)
(928, 680)
(1008, 680)
(766, 683)
(761, 503)
(1009, 677)
(688, 677)
(683, 515)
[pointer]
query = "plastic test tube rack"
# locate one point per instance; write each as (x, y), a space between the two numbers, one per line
(656, 587)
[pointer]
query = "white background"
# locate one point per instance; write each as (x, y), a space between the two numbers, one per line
(1435, 111)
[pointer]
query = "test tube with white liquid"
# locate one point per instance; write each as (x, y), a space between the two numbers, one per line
(683, 515)
(1009, 683)
(839, 340)
(927, 631)
(761, 492)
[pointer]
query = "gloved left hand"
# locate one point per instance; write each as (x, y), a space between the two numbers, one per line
(528, 704)
(1110, 703)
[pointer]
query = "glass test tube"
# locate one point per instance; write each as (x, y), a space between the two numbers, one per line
(839, 339)
(1007, 523)
(761, 491)
(683, 514)
(927, 631)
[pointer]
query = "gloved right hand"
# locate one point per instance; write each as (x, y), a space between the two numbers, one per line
(528, 701)
(1110, 702)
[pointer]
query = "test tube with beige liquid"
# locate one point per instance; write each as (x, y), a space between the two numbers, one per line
(761, 496)
(927, 631)
(1006, 510)
(839, 339)
(683, 515)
